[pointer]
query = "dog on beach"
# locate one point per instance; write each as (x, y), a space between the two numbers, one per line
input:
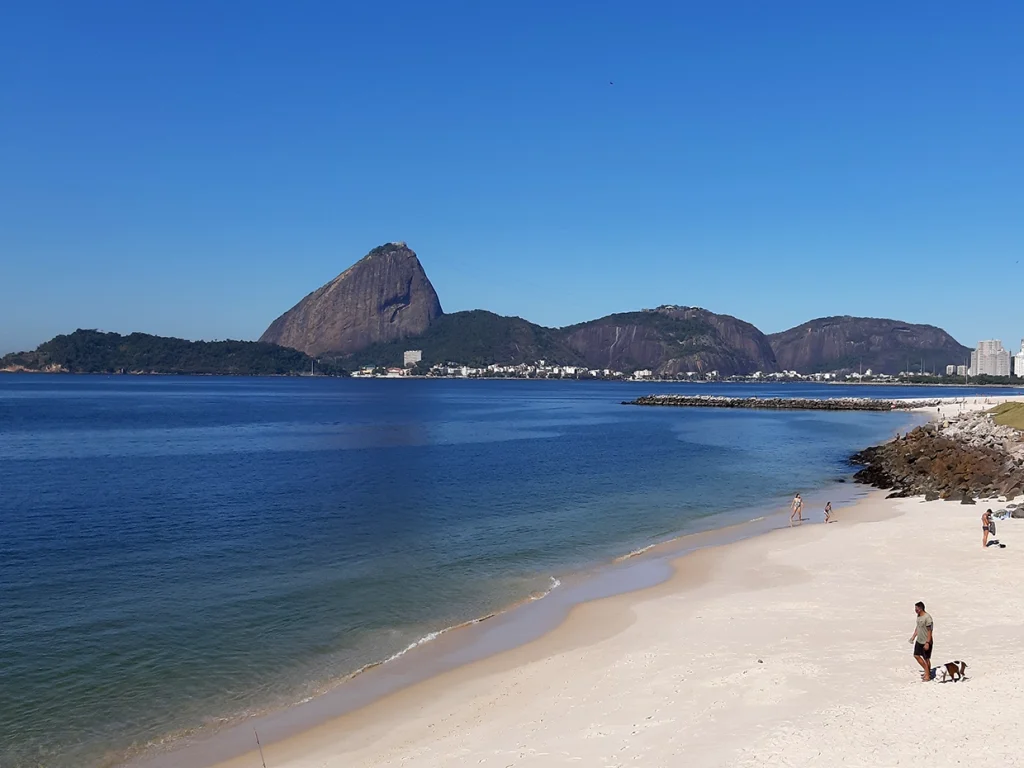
(953, 670)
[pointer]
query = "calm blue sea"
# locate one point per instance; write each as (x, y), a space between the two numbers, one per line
(177, 552)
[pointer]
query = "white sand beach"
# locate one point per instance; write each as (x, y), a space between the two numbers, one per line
(787, 649)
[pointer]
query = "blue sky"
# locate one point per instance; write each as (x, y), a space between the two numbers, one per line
(194, 169)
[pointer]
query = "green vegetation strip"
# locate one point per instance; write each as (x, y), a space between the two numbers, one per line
(1009, 415)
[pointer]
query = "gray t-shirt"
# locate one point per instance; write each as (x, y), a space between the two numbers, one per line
(924, 623)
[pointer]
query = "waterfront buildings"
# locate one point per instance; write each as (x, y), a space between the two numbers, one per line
(990, 359)
(411, 357)
(1018, 362)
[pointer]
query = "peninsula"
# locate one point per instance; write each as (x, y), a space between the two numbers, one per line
(384, 304)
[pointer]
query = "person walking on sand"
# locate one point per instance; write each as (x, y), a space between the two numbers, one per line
(828, 511)
(986, 527)
(922, 640)
(798, 510)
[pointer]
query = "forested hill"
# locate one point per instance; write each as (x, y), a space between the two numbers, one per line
(87, 351)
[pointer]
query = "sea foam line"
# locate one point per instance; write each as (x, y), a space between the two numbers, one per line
(634, 553)
(431, 636)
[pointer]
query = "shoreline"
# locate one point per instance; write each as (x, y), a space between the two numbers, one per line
(495, 634)
(612, 647)
(622, 380)
(668, 673)
(281, 731)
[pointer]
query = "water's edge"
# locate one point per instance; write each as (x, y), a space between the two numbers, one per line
(485, 636)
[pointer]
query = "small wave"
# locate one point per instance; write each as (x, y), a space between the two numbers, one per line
(756, 519)
(634, 553)
(555, 584)
(430, 636)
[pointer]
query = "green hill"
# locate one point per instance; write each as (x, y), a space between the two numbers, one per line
(475, 338)
(90, 351)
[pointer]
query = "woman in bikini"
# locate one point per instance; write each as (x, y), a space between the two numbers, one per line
(798, 510)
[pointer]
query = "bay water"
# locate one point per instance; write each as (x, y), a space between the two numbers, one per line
(177, 553)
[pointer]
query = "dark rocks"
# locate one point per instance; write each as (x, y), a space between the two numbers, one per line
(956, 462)
(383, 297)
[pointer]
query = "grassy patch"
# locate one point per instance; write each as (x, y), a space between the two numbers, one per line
(1009, 414)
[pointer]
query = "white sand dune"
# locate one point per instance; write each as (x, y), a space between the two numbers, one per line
(789, 649)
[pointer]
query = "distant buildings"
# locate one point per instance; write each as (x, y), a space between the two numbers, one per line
(990, 359)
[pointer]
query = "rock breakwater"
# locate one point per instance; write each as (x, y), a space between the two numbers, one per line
(782, 403)
(957, 459)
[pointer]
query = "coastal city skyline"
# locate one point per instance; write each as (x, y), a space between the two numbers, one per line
(989, 358)
(774, 164)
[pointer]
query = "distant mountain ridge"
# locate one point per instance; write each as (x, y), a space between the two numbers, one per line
(854, 343)
(666, 340)
(385, 304)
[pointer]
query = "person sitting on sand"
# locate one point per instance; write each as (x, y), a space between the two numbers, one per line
(922, 640)
(828, 511)
(986, 527)
(798, 510)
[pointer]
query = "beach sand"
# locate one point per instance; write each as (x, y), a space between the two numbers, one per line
(787, 649)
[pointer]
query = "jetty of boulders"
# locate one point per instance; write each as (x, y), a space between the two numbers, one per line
(783, 403)
(959, 459)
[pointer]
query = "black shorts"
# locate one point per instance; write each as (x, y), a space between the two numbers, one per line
(924, 653)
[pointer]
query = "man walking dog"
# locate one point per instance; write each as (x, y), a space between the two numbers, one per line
(922, 640)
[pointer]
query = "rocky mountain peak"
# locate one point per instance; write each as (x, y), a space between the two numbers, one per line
(382, 297)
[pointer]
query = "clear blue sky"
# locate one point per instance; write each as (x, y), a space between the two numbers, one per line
(195, 168)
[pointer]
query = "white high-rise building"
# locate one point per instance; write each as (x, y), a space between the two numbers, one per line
(990, 359)
(1018, 362)
(411, 357)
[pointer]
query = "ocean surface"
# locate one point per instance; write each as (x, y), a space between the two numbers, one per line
(179, 552)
